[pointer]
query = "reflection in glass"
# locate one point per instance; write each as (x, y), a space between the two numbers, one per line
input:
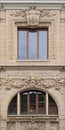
(43, 45)
(23, 103)
(12, 110)
(41, 103)
(22, 44)
(32, 102)
(52, 106)
(32, 45)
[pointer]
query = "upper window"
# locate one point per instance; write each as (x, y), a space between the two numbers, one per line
(32, 44)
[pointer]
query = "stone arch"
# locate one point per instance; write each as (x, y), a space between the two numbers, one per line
(34, 85)
(34, 89)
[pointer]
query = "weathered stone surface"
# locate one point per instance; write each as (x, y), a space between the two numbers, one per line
(44, 75)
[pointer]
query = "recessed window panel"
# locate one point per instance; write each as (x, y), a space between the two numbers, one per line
(41, 103)
(12, 110)
(32, 102)
(43, 45)
(52, 106)
(24, 103)
(22, 44)
(32, 45)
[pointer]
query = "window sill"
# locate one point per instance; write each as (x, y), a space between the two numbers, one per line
(33, 62)
(37, 60)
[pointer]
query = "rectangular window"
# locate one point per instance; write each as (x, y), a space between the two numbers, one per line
(32, 44)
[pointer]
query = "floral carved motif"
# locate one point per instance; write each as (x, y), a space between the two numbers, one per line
(32, 82)
(33, 15)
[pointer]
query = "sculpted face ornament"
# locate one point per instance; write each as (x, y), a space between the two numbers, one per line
(33, 16)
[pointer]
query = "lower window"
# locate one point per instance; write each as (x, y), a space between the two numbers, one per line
(32, 102)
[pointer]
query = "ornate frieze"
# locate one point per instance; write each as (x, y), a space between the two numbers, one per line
(32, 83)
(33, 123)
(33, 15)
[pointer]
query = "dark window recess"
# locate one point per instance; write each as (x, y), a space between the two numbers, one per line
(12, 110)
(52, 106)
(33, 102)
(41, 103)
(23, 103)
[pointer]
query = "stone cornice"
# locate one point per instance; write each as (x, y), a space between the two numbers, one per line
(34, 67)
(27, 3)
(32, 1)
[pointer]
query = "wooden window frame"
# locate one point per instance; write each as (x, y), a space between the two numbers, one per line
(46, 112)
(27, 42)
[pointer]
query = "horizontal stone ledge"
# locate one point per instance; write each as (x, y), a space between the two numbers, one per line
(36, 118)
(32, 67)
(32, 1)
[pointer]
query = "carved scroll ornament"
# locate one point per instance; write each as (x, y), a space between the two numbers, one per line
(32, 82)
(33, 15)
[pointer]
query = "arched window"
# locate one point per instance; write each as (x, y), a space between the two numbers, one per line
(32, 102)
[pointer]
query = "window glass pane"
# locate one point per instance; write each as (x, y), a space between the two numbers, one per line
(12, 110)
(52, 106)
(24, 103)
(41, 103)
(22, 45)
(32, 45)
(32, 102)
(43, 45)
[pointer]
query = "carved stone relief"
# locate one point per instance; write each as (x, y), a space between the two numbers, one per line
(41, 125)
(32, 82)
(53, 126)
(33, 15)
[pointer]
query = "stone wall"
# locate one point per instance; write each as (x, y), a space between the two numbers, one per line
(18, 75)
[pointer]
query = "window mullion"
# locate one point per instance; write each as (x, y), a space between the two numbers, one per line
(46, 103)
(18, 104)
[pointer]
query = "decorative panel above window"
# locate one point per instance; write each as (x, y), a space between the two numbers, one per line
(32, 44)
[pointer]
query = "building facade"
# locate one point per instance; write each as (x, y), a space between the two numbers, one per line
(32, 65)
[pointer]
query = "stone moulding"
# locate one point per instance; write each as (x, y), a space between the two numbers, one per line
(32, 119)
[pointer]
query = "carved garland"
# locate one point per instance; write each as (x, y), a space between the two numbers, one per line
(33, 15)
(32, 82)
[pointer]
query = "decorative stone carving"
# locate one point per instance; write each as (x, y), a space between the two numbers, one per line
(37, 123)
(2, 118)
(33, 126)
(33, 15)
(47, 13)
(32, 82)
(18, 13)
(63, 7)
